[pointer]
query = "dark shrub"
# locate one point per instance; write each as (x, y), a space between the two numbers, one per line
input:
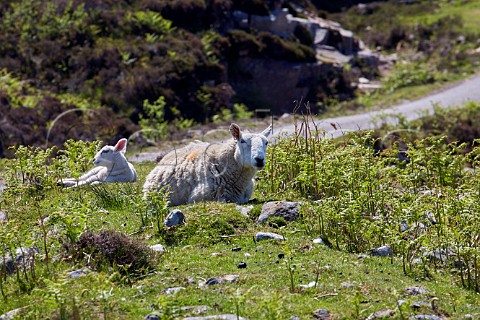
(243, 43)
(303, 35)
(278, 48)
(112, 249)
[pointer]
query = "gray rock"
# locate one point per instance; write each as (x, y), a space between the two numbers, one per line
(381, 314)
(10, 315)
(347, 285)
(3, 216)
(195, 309)
(383, 251)
(294, 318)
(311, 284)
(77, 273)
(415, 290)
(268, 236)
(244, 210)
(158, 248)
(23, 256)
(426, 317)
(321, 314)
(217, 317)
(284, 209)
(431, 217)
(440, 255)
(229, 278)
(152, 316)
(404, 226)
(175, 217)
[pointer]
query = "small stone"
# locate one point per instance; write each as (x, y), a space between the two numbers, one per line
(158, 248)
(311, 284)
(3, 216)
(381, 314)
(363, 80)
(431, 217)
(195, 309)
(347, 285)
(284, 209)
(294, 318)
(10, 315)
(383, 251)
(77, 273)
(175, 217)
(427, 317)
(217, 317)
(236, 249)
(23, 256)
(229, 278)
(172, 290)
(415, 290)
(404, 226)
(242, 265)
(247, 255)
(268, 236)
(244, 210)
(322, 314)
(152, 316)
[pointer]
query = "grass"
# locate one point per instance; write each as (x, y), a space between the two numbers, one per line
(467, 10)
(352, 197)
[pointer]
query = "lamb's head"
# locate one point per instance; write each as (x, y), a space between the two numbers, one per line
(109, 154)
(250, 147)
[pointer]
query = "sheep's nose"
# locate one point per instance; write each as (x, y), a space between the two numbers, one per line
(259, 162)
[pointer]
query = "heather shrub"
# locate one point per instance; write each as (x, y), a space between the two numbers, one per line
(114, 249)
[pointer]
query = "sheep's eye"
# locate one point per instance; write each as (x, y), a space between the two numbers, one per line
(266, 143)
(242, 141)
(105, 151)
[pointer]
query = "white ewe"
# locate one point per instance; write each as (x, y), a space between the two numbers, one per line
(111, 166)
(211, 172)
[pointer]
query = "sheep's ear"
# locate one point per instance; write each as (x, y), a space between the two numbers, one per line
(121, 146)
(235, 131)
(267, 131)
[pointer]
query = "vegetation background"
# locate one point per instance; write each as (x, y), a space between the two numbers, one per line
(114, 67)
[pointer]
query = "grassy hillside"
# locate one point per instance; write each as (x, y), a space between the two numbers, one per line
(420, 201)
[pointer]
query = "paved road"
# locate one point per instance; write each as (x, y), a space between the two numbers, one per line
(466, 90)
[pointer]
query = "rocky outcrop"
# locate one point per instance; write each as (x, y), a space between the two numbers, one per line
(279, 84)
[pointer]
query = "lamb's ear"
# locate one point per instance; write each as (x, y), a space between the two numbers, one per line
(267, 131)
(121, 146)
(235, 131)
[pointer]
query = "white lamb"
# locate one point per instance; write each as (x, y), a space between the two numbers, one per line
(111, 166)
(211, 172)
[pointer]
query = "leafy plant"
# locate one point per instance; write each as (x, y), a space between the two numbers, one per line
(409, 74)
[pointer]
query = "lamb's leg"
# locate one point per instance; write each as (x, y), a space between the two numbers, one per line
(87, 178)
(94, 175)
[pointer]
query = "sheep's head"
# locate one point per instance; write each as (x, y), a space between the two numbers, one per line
(107, 155)
(251, 147)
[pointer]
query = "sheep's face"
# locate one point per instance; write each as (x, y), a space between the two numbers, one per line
(107, 155)
(251, 148)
